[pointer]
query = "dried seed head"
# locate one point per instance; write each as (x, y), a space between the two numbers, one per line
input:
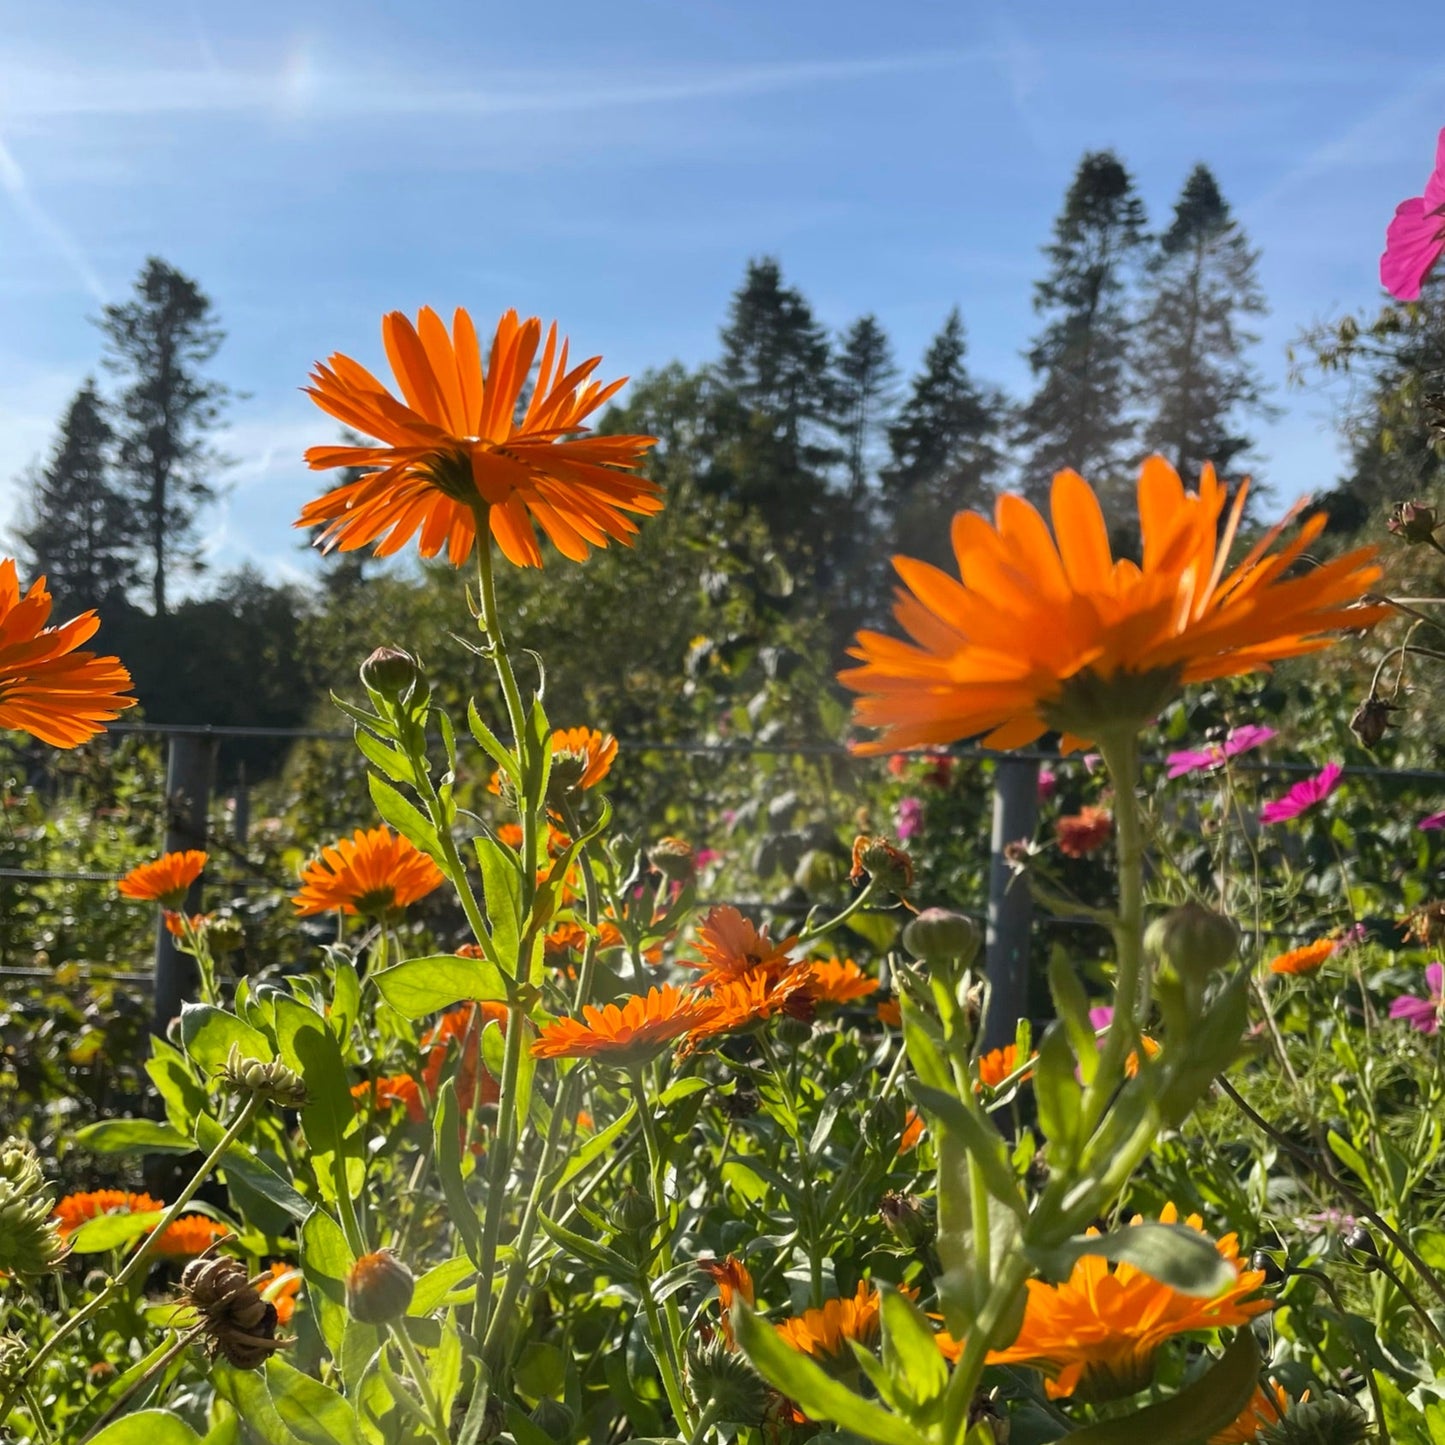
(1413, 522)
(239, 1325)
(271, 1081)
(1371, 721)
(877, 859)
(1333, 1420)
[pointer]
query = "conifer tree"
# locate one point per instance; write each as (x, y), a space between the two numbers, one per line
(865, 374)
(1194, 379)
(1079, 415)
(78, 530)
(773, 408)
(157, 343)
(944, 448)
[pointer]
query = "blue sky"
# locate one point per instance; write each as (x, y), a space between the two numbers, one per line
(314, 164)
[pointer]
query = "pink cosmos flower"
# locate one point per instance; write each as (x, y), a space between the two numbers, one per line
(908, 818)
(1423, 1013)
(705, 858)
(1302, 796)
(1240, 740)
(1048, 784)
(1416, 237)
(1431, 824)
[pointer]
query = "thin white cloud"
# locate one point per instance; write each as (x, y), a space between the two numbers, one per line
(13, 183)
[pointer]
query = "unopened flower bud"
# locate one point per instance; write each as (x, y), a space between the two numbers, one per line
(633, 1213)
(1359, 1245)
(742, 1101)
(225, 934)
(1195, 941)
(1330, 1420)
(906, 1219)
(554, 1420)
(390, 673)
(674, 859)
(723, 1378)
(818, 871)
(29, 1240)
(379, 1288)
(272, 1081)
(939, 933)
(1271, 1263)
(1413, 522)
(878, 860)
(1371, 721)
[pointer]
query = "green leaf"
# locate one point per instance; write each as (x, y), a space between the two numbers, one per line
(345, 998)
(111, 1231)
(491, 744)
(326, 1260)
(446, 1131)
(1174, 1254)
(422, 986)
(597, 1145)
(983, 1142)
(1198, 1411)
(1349, 1156)
(541, 1370)
(314, 1413)
(147, 1427)
(494, 1046)
(820, 1396)
(438, 1282)
(1059, 1097)
(1406, 1422)
(244, 1170)
(209, 1034)
(396, 765)
(879, 929)
(589, 1251)
(1071, 1004)
(133, 1136)
(911, 1356)
(175, 1081)
(502, 889)
(406, 818)
(446, 1366)
(308, 1046)
(245, 1391)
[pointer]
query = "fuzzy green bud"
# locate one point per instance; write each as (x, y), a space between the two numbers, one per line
(391, 673)
(1332, 1420)
(225, 934)
(272, 1082)
(379, 1288)
(30, 1243)
(939, 934)
(1195, 941)
(555, 1420)
(906, 1219)
(633, 1213)
(723, 1378)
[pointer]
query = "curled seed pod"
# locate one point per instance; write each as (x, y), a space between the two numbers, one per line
(239, 1325)
(271, 1081)
(876, 858)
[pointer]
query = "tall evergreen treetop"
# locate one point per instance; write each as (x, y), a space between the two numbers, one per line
(864, 377)
(1194, 380)
(78, 530)
(157, 343)
(944, 448)
(1078, 415)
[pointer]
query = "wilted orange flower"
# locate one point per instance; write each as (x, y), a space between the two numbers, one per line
(1265, 1407)
(392, 1089)
(832, 980)
(641, 1028)
(877, 857)
(1152, 1049)
(733, 1281)
(913, 1130)
(1084, 832)
(1095, 1335)
(731, 948)
(996, 1065)
(1306, 959)
(1042, 632)
(165, 880)
(189, 1235)
(177, 923)
(890, 1012)
(48, 688)
(77, 1209)
(453, 449)
(280, 1285)
(372, 872)
(825, 1331)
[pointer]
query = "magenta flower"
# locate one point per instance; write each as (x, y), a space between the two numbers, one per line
(908, 818)
(705, 858)
(1431, 824)
(1302, 796)
(1240, 740)
(1423, 1013)
(1048, 784)
(1101, 1017)
(1416, 237)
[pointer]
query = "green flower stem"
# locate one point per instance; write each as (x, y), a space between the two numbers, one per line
(138, 1259)
(500, 1157)
(706, 1421)
(663, 1351)
(594, 908)
(666, 1341)
(491, 625)
(811, 931)
(810, 1220)
(1003, 1298)
(519, 1263)
(182, 1341)
(440, 1426)
(205, 965)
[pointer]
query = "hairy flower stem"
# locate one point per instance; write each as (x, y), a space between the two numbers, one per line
(594, 909)
(139, 1259)
(811, 931)
(1001, 1304)
(440, 1428)
(664, 1340)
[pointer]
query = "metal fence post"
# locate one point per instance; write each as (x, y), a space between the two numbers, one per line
(1010, 906)
(189, 762)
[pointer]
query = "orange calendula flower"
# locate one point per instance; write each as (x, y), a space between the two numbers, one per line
(733, 1281)
(280, 1285)
(77, 1209)
(164, 881)
(824, 1332)
(1096, 1334)
(1265, 1407)
(569, 938)
(913, 1130)
(392, 1089)
(890, 1012)
(1306, 959)
(1044, 631)
(463, 1026)
(996, 1066)
(582, 757)
(511, 834)
(640, 1029)
(177, 923)
(732, 948)
(833, 980)
(373, 872)
(191, 1234)
(453, 449)
(1084, 832)
(742, 1002)
(48, 687)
